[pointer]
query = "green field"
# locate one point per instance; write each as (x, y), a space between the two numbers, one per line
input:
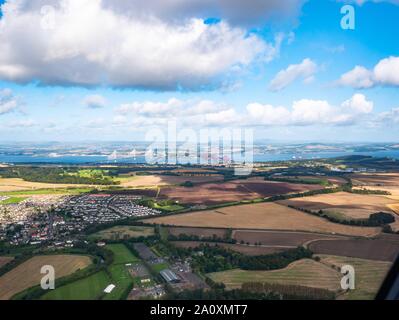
(67, 191)
(13, 200)
(159, 267)
(121, 254)
(90, 288)
(122, 232)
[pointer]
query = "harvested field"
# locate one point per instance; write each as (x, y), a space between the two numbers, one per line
(199, 232)
(232, 191)
(369, 275)
(375, 179)
(28, 274)
(305, 272)
(244, 249)
(279, 238)
(164, 180)
(5, 260)
(350, 205)
(372, 249)
(15, 184)
(266, 215)
(122, 232)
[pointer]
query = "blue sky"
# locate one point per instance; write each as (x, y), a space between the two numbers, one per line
(288, 71)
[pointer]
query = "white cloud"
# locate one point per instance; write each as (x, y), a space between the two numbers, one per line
(171, 108)
(95, 101)
(206, 113)
(358, 77)
(8, 102)
(304, 70)
(386, 72)
(358, 104)
(95, 42)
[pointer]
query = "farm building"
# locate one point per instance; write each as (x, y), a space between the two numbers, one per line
(169, 276)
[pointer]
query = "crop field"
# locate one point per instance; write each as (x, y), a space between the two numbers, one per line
(232, 191)
(15, 184)
(5, 260)
(369, 275)
(199, 232)
(163, 180)
(28, 274)
(267, 215)
(375, 179)
(122, 232)
(376, 249)
(305, 272)
(350, 205)
(244, 249)
(279, 238)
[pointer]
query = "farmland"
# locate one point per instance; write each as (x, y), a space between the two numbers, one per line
(244, 249)
(373, 249)
(92, 287)
(232, 191)
(199, 232)
(122, 232)
(268, 215)
(135, 181)
(369, 275)
(279, 238)
(305, 272)
(16, 184)
(5, 260)
(349, 205)
(375, 179)
(28, 274)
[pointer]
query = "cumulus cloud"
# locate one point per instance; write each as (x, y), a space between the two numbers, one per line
(385, 72)
(129, 43)
(95, 101)
(308, 112)
(304, 70)
(8, 102)
(304, 112)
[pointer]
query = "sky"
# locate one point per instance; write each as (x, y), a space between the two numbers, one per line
(73, 70)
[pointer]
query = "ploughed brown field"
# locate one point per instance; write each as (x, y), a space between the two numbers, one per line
(199, 232)
(237, 190)
(5, 260)
(375, 179)
(280, 238)
(163, 180)
(383, 249)
(266, 215)
(28, 274)
(351, 205)
(244, 249)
